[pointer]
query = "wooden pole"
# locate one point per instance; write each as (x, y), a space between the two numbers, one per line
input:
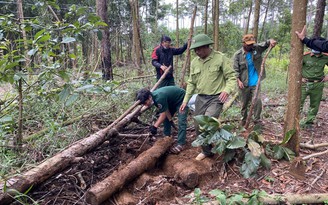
(187, 60)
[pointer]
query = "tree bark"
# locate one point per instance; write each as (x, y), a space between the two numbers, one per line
(248, 17)
(256, 18)
(205, 16)
(294, 77)
(216, 25)
(187, 60)
(104, 189)
(136, 40)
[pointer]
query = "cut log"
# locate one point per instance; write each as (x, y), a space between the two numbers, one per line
(186, 171)
(106, 188)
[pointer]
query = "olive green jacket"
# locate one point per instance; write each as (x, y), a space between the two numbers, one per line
(211, 76)
(240, 64)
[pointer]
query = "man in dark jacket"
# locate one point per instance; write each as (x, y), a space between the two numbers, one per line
(162, 58)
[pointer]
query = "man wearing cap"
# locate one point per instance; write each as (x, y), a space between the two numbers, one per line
(168, 100)
(162, 58)
(247, 64)
(212, 78)
(313, 79)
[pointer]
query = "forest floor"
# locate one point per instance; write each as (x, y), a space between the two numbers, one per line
(162, 186)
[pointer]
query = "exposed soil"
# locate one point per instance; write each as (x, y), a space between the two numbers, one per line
(162, 186)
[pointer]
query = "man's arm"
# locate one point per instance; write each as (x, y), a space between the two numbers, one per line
(179, 51)
(316, 44)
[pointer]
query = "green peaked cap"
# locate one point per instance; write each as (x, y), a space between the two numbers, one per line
(200, 40)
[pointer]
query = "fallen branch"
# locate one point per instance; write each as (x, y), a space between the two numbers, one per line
(315, 155)
(104, 189)
(318, 177)
(133, 135)
(313, 146)
(286, 199)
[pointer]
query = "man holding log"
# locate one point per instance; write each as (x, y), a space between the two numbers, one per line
(168, 100)
(247, 64)
(162, 58)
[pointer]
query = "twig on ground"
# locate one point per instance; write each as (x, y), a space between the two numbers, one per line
(318, 177)
(315, 155)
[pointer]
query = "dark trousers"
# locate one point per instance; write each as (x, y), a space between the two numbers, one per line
(209, 105)
(247, 95)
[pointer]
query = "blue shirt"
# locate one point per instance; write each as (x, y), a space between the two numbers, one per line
(252, 74)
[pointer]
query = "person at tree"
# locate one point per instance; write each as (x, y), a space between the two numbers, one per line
(162, 58)
(212, 78)
(168, 100)
(318, 44)
(313, 79)
(247, 64)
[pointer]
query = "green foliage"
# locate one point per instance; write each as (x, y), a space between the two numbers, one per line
(280, 151)
(227, 144)
(224, 198)
(198, 198)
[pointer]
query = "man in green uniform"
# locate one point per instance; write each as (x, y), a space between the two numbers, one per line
(313, 79)
(212, 78)
(247, 64)
(168, 100)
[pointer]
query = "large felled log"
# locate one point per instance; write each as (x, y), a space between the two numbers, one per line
(104, 189)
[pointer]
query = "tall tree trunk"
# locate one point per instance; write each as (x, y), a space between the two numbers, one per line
(205, 16)
(216, 25)
(19, 137)
(264, 20)
(136, 41)
(177, 39)
(248, 18)
(318, 20)
(106, 61)
(294, 76)
(256, 18)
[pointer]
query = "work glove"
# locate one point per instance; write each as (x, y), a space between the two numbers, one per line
(153, 130)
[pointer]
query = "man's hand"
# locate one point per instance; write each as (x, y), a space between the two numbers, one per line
(153, 130)
(182, 107)
(240, 84)
(325, 79)
(273, 43)
(163, 67)
(301, 35)
(223, 97)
